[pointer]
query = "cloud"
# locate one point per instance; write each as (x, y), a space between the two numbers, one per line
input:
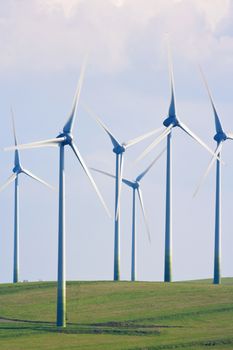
(56, 34)
(214, 11)
(67, 7)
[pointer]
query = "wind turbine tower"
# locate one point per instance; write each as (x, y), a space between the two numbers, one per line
(171, 121)
(119, 151)
(17, 170)
(65, 138)
(135, 186)
(220, 137)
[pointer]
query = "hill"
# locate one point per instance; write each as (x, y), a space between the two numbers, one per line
(118, 315)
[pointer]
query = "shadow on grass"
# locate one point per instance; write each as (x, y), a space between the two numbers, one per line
(118, 328)
(191, 345)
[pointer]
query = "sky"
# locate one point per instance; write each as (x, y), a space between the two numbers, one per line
(43, 43)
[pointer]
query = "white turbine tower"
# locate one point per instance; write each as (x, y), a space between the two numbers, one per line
(62, 140)
(135, 186)
(220, 137)
(170, 122)
(119, 150)
(17, 170)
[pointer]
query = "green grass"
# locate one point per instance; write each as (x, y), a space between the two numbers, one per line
(191, 315)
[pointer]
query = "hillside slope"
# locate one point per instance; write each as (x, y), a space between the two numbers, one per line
(118, 315)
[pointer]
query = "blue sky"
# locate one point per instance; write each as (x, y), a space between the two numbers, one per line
(42, 45)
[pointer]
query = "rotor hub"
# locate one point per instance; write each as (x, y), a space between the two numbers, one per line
(119, 149)
(68, 138)
(17, 169)
(220, 136)
(171, 120)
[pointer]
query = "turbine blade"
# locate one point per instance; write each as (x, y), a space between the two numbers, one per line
(155, 142)
(34, 177)
(120, 185)
(218, 125)
(103, 172)
(114, 141)
(144, 213)
(172, 107)
(150, 166)
(85, 168)
(213, 159)
(13, 124)
(141, 138)
(17, 160)
(196, 138)
(70, 122)
(50, 142)
(126, 182)
(9, 181)
(230, 135)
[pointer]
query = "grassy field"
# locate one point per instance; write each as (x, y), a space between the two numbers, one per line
(118, 315)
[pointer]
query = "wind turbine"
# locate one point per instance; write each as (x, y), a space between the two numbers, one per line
(220, 137)
(171, 122)
(135, 186)
(17, 170)
(119, 150)
(64, 139)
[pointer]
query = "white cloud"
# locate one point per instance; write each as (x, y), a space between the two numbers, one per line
(55, 34)
(68, 7)
(214, 11)
(118, 3)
